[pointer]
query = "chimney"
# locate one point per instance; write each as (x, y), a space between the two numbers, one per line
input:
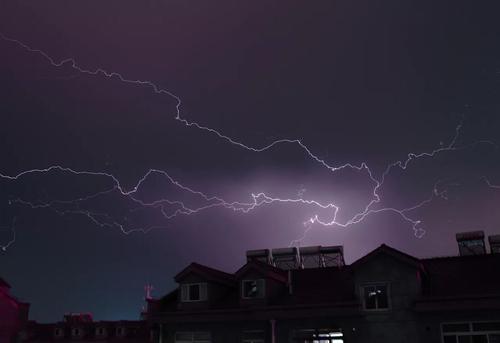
(471, 243)
(494, 244)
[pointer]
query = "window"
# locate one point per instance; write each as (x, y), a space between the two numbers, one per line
(253, 336)
(318, 336)
(253, 289)
(58, 332)
(100, 331)
(471, 332)
(193, 292)
(376, 297)
(76, 332)
(120, 331)
(193, 337)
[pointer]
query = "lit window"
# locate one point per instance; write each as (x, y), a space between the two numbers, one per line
(193, 292)
(318, 336)
(75, 332)
(253, 289)
(376, 297)
(193, 337)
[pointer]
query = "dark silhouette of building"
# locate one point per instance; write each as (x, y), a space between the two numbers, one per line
(309, 295)
(80, 327)
(13, 315)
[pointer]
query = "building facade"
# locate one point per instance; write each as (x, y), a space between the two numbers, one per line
(385, 296)
(80, 327)
(13, 315)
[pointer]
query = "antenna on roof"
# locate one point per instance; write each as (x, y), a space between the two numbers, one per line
(148, 289)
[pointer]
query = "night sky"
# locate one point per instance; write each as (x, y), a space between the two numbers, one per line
(355, 81)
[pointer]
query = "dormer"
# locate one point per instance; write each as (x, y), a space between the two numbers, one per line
(200, 286)
(259, 282)
(387, 279)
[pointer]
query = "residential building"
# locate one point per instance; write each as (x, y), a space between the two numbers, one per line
(310, 295)
(13, 315)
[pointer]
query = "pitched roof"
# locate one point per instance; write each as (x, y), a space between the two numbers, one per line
(4, 283)
(389, 251)
(321, 285)
(462, 275)
(208, 273)
(265, 269)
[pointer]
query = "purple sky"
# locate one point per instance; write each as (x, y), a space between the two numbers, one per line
(355, 81)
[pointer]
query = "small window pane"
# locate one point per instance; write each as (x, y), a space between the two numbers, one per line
(204, 336)
(450, 339)
(184, 336)
(194, 292)
(464, 339)
(382, 299)
(494, 338)
(456, 327)
(370, 298)
(253, 288)
(488, 326)
(479, 339)
(376, 297)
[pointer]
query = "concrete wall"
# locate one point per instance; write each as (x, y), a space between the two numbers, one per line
(398, 324)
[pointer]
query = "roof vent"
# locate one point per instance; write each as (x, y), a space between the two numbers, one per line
(494, 244)
(471, 243)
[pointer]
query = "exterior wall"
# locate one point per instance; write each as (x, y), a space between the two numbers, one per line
(45, 333)
(221, 332)
(273, 288)
(429, 329)
(398, 323)
(13, 316)
(215, 292)
(193, 278)
(410, 318)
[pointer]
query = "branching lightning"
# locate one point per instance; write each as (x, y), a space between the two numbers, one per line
(76, 206)
(12, 230)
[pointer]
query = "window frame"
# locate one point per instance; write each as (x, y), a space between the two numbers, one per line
(76, 332)
(186, 289)
(470, 332)
(193, 339)
(260, 295)
(387, 284)
(100, 331)
(58, 332)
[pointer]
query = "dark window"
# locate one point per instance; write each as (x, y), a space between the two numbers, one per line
(464, 339)
(253, 288)
(450, 339)
(376, 297)
(487, 326)
(194, 292)
(456, 327)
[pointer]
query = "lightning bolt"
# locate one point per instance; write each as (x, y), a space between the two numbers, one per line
(12, 229)
(76, 206)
